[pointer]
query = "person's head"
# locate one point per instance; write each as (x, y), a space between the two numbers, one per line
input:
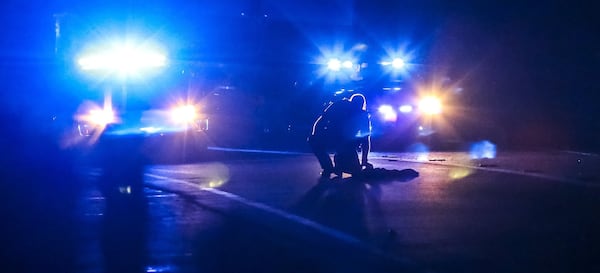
(359, 101)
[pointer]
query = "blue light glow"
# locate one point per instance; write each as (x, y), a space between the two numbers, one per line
(337, 64)
(334, 64)
(150, 130)
(420, 150)
(159, 269)
(398, 63)
(347, 64)
(483, 149)
(125, 189)
(124, 58)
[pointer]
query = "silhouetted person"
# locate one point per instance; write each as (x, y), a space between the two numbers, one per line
(344, 126)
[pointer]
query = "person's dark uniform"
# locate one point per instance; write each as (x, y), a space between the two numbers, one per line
(343, 127)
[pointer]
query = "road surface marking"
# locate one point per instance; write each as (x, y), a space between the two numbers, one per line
(324, 230)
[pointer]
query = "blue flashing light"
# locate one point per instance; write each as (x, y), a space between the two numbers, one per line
(398, 63)
(334, 64)
(395, 63)
(122, 58)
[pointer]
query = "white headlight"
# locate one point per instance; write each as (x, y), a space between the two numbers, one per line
(430, 105)
(387, 113)
(101, 117)
(184, 114)
(405, 108)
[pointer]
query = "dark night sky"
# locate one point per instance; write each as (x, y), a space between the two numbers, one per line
(550, 46)
(531, 67)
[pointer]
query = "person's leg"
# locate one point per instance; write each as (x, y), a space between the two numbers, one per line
(346, 159)
(319, 149)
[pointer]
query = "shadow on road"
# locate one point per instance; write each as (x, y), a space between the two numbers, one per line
(344, 203)
(270, 244)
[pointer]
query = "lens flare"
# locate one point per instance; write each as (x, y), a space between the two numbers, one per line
(459, 173)
(334, 64)
(92, 119)
(430, 105)
(184, 114)
(101, 117)
(124, 60)
(215, 175)
(398, 63)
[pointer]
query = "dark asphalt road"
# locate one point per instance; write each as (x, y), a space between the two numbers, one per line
(264, 212)
(269, 212)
